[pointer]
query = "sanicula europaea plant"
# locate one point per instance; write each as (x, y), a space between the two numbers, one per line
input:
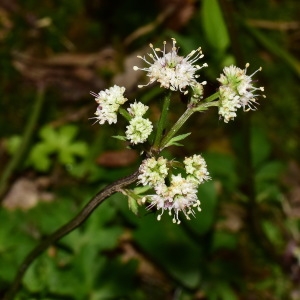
(168, 185)
(169, 189)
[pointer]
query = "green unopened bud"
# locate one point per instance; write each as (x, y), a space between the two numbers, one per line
(198, 91)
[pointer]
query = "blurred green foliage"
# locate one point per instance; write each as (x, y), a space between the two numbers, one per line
(235, 248)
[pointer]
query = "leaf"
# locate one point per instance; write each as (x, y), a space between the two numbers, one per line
(269, 171)
(224, 240)
(205, 219)
(141, 189)
(222, 167)
(120, 137)
(176, 139)
(273, 233)
(260, 146)
(165, 242)
(59, 142)
(67, 132)
(67, 154)
(214, 25)
(268, 43)
(221, 291)
(12, 144)
(47, 133)
(133, 205)
(39, 157)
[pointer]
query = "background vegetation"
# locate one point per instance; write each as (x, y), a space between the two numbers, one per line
(245, 242)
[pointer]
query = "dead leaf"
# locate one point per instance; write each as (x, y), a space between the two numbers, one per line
(26, 193)
(118, 158)
(233, 217)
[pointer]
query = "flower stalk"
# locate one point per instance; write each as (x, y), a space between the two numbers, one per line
(162, 121)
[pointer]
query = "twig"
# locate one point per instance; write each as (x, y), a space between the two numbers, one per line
(150, 26)
(67, 228)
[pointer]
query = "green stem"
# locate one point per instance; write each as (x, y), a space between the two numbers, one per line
(176, 127)
(28, 133)
(162, 121)
(186, 115)
(125, 114)
(212, 97)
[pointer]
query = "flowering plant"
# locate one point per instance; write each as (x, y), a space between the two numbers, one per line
(172, 190)
(168, 185)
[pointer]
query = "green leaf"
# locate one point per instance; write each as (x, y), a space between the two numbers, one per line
(273, 233)
(35, 278)
(269, 171)
(39, 157)
(205, 219)
(221, 291)
(59, 142)
(12, 144)
(48, 134)
(67, 132)
(260, 146)
(133, 205)
(214, 25)
(176, 139)
(165, 242)
(222, 167)
(67, 154)
(224, 240)
(120, 137)
(141, 189)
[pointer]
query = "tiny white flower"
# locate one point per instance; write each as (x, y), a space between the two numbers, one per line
(137, 109)
(138, 130)
(196, 168)
(109, 102)
(230, 102)
(180, 196)
(153, 171)
(172, 71)
(237, 90)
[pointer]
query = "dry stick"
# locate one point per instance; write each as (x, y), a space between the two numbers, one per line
(162, 17)
(67, 228)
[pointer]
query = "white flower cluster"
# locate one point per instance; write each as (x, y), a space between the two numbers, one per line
(172, 71)
(181, 193)
(236, 91)
(153, 171)
(109, 102)
(196, 168)
(137, 109)
(139, 128)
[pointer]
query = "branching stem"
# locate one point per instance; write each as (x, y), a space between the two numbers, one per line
(67, 228)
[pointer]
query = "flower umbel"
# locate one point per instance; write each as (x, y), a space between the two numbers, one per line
(237, 90)
(174, 192)
(109, 102)
(172, 71)
(181, 193)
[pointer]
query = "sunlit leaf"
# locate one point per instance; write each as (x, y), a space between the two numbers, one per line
(214, 25)
(176, 139)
